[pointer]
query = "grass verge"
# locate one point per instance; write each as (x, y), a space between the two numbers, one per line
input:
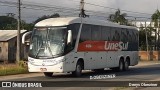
(11, 69)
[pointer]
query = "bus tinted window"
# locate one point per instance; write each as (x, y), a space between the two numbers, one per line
(117, 34)
(130, 35)
(85, 33)
(112, 34)
(105, 33)
(134, 36)
(75, 29)
(124, 36)
(95, 32)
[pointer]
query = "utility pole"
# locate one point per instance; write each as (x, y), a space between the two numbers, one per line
(147, 42)
(158, 40)
(82, 8)
(82, 13)
(18, 32)
(158, 35)
(135, 23)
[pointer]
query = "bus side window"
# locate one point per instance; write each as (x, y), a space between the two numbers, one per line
(112, 34)
(124, 37)
(134, 36)
(74, 28)
(95, 32)
(130, 35)
(85, 33)
(117, 34)
(106, 36)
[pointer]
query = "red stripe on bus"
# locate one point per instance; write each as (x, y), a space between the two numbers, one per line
(102, 46)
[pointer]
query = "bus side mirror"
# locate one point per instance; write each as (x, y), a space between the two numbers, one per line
(69, 38)
(24, 37)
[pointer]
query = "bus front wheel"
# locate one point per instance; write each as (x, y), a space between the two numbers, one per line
(78, 71)
(48, 74)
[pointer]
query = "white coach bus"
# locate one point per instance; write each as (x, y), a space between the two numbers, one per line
(73, 44)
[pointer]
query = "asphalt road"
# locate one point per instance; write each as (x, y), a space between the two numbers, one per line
(144, 71)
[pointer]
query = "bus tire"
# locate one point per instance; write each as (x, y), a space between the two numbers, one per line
(126, 65)
(48, 74)
(78, 71)
(121, 65)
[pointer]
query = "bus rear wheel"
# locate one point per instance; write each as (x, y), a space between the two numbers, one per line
(126, 65)
(78, 71)
(48, 74)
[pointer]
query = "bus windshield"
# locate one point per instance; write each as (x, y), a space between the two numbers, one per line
(47, 42)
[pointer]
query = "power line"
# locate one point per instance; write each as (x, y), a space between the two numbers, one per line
(116, 9)
(113, 8)
(58, 9)
(39, 7)
(34, 6)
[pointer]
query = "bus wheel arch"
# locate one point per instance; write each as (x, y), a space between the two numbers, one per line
(79, 68)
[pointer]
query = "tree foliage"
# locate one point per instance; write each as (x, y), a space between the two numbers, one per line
(155, 17)
(142, 37)
(118, 17)
(47, 16)
(7, 23)
(10, 23)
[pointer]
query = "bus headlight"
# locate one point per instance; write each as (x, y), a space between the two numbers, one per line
(31, 61)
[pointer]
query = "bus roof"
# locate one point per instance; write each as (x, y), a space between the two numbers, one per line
(63, 21)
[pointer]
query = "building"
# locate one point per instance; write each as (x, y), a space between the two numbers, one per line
(8, 45)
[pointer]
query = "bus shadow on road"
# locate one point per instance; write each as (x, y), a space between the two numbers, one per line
(132, 71)
(87, 74)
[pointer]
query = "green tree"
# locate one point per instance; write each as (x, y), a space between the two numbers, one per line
(47, 16)
(142, 37)
(8, 23)
(118, 17)
(26, 26)
(155, 17)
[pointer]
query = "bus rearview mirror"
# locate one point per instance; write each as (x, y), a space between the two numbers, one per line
(69, 38)
(24, 37)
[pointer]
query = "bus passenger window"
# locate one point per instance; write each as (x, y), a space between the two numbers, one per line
(85, 33)
(105, 33)
(96, 32)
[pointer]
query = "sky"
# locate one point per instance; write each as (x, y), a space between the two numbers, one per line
(95, 8)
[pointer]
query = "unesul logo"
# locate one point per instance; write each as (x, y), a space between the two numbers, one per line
(115, 46)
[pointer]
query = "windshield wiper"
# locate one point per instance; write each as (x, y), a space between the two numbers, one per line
(39, 50)
(48, 44)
